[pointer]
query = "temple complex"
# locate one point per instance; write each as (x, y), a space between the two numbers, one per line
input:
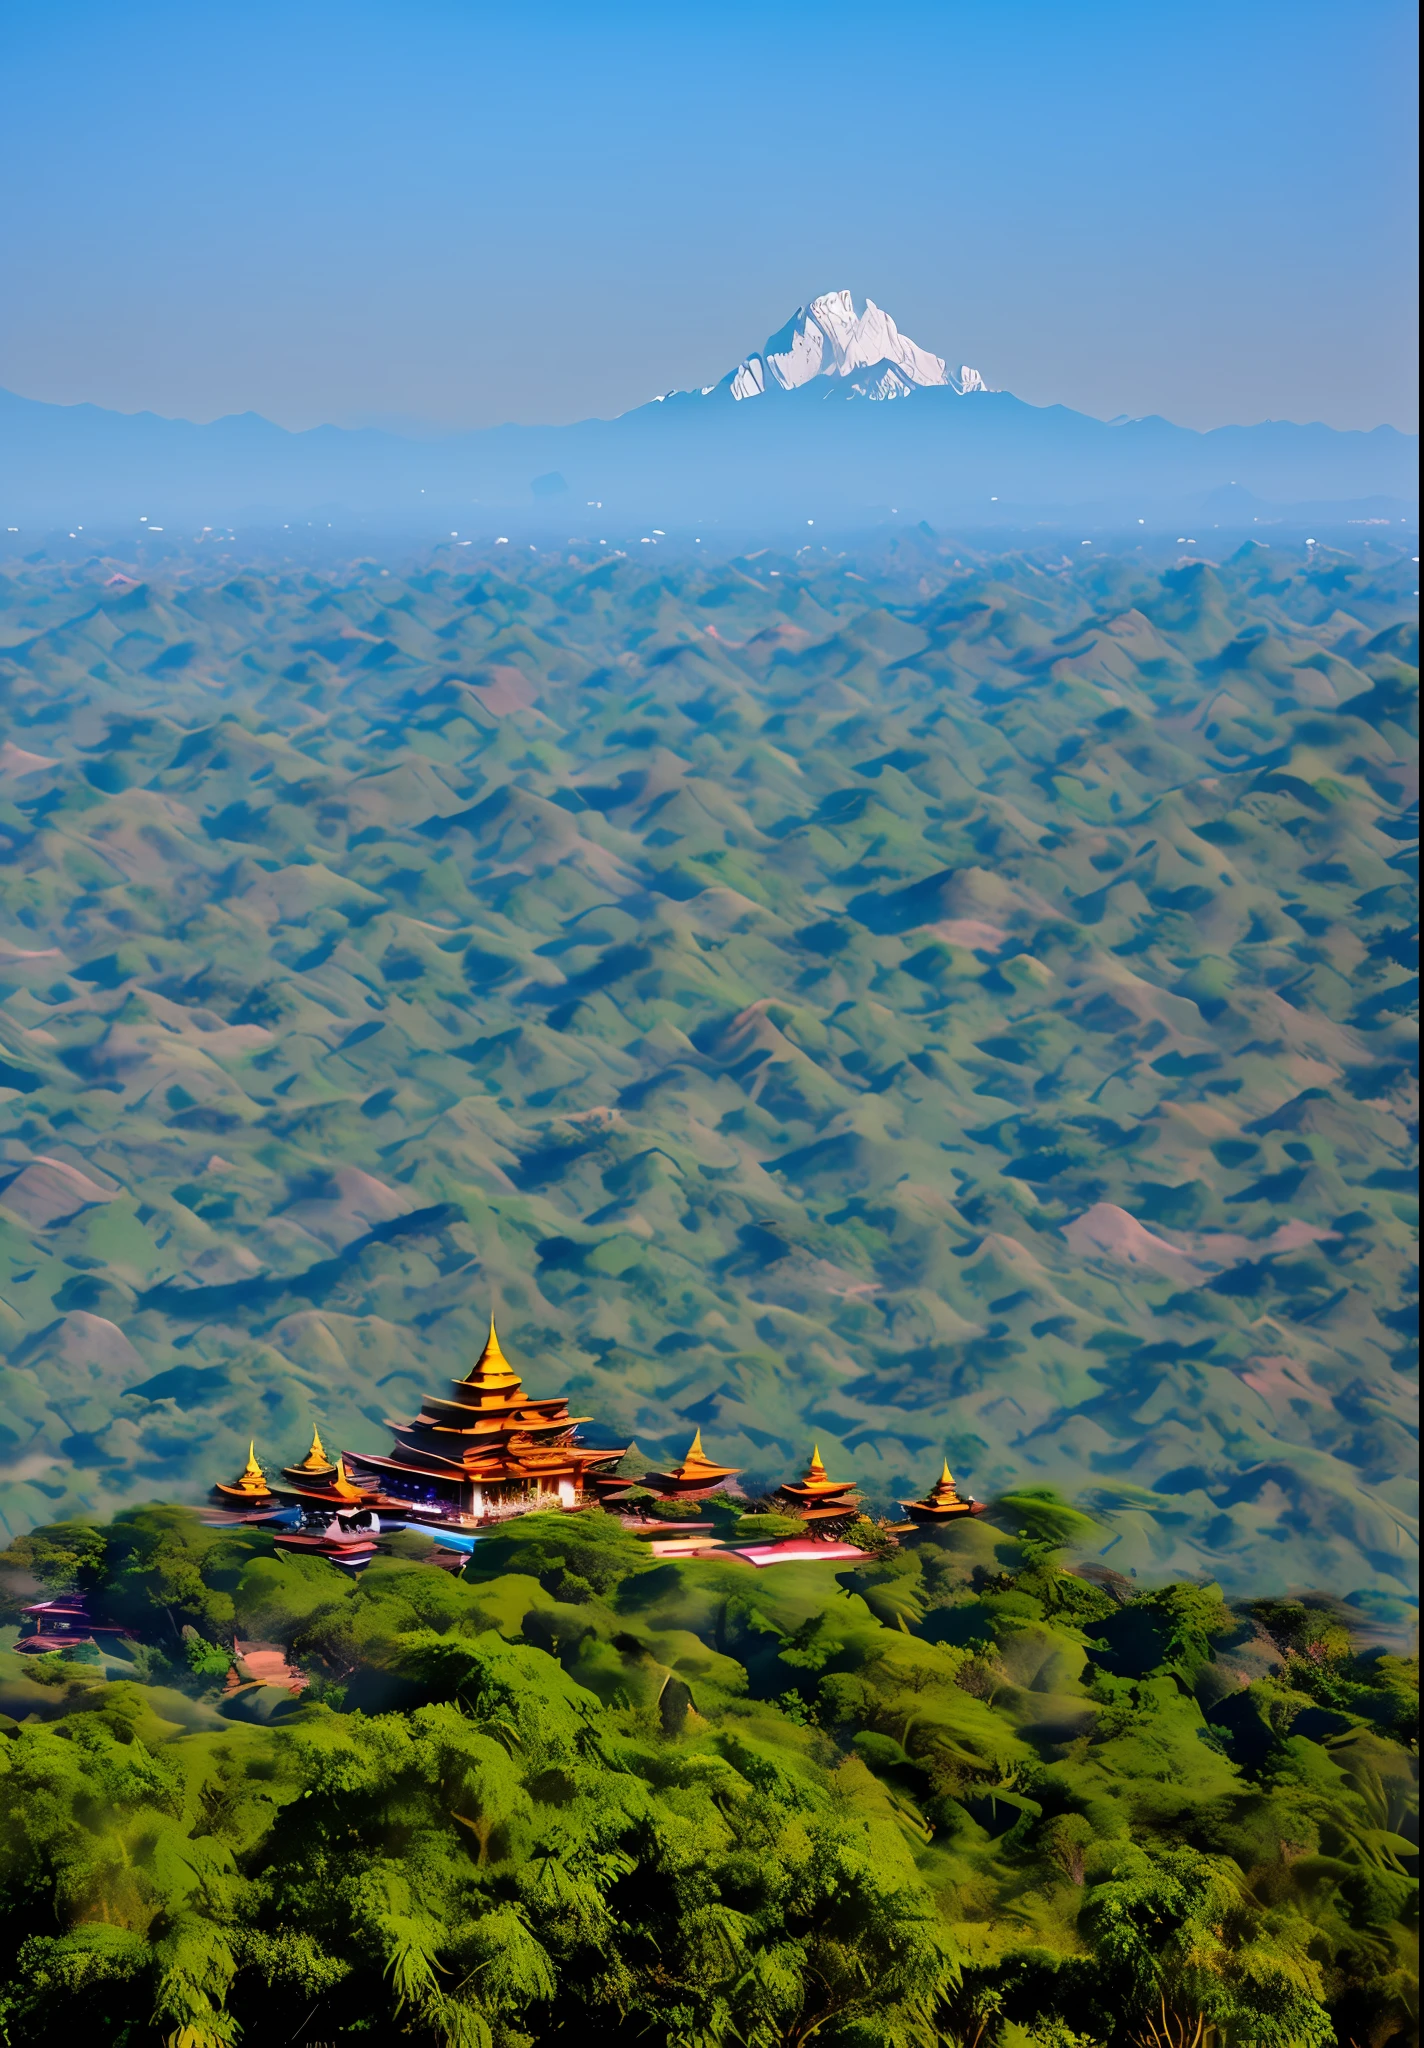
(942, 1503)
(694, 1477)
(485, 1451)
(826, 1504)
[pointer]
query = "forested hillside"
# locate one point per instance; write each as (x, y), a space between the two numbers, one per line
(955, 1795)
(931, 1002)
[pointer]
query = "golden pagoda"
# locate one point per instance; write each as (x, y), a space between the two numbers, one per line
(818, 1498)
(942, 1503)
(695, 1475)
(488, 1449)
(250, 1488)
(315, 1466)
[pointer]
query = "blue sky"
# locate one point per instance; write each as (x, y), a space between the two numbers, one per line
(462, 214)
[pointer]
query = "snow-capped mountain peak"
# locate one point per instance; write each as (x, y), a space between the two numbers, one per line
(829, 338)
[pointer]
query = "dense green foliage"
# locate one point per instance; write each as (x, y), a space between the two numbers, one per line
(953, 1795)
(944, 1002)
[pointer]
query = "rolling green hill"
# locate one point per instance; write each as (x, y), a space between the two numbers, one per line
(929, 1003)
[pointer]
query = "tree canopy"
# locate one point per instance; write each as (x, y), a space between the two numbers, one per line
(952, 1794)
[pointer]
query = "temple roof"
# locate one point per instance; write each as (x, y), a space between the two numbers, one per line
(315, 1465)
(491, 1432)
(943, 1499)
(251, 1481)
(511, 1420)
(453, 1475)
(493, 1465)
(816, 1482)
(696, 1469)
(333, 1486)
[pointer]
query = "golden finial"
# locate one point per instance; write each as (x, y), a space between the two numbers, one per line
(815, 1470)
(696, 1452)
(492, 1369)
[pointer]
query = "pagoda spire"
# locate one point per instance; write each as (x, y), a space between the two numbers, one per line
(492, 1372)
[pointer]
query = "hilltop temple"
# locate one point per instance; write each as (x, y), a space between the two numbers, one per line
(487, 1450)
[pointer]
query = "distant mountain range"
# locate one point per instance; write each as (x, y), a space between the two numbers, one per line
(839, 417)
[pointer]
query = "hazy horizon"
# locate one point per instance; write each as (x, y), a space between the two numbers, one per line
(414, 427)
(557, 218)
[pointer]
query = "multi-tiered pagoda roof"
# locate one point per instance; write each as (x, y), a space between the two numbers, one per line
(487, 1446)
(943, 1502)
(818, 1498)
(695, 1476)
(315, 1468)
(250, 1488)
